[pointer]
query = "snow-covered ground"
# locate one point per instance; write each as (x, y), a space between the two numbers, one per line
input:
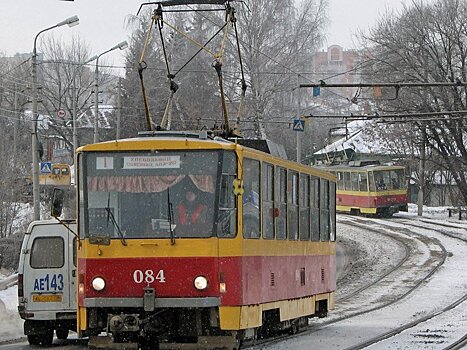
(446, 285)
(11, 326)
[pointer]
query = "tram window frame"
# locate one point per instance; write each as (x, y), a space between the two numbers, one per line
(354, 181)
(225, 187)
(324, 227)
(363, 182)
(332, 210)
(304, 207)
(292, 204)
(314, 208)
(251, 206)
(371, 179)
(347, 181)
(340, 180)
(280, 202)
(267, 201)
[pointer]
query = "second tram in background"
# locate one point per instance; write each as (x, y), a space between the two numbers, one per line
(370, 188)
(59, 175)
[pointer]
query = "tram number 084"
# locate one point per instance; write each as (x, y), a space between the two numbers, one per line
(148, 276)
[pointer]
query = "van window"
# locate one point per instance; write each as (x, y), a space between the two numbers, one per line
(47, 252)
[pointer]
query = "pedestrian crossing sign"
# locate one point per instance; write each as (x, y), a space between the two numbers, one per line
(299, 125)
(46, 167)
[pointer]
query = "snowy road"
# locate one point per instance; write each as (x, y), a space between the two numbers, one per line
(398, 291)
(424, 296)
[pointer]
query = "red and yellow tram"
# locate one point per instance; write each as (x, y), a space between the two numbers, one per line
(263, 257)
(369, 187)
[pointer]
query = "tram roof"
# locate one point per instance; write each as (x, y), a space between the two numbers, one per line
(201, 141)
(372, 167)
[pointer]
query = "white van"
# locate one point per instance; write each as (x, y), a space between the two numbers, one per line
(47, 281)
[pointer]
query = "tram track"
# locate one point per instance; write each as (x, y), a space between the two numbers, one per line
(409, 229)
(432, 315)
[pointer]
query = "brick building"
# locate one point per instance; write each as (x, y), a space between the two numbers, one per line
(335, 61)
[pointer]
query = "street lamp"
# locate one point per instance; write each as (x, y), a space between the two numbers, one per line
(74, 116)
(72, 21)
(123, 45)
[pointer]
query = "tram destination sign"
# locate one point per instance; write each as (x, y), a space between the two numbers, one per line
(155, 162)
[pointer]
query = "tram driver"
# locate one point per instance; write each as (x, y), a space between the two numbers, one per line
(190, 210)
(192, 215)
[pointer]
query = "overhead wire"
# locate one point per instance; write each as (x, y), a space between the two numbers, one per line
(267, 56)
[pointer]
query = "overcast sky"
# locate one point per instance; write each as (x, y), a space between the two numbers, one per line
(102, 22)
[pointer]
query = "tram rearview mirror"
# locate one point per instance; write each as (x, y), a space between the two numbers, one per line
(58, 197)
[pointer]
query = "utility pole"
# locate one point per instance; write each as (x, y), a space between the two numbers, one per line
(15, 124)
(299, 143)
(119, 111)
(72, 21)
(421, 175)
(121, 46)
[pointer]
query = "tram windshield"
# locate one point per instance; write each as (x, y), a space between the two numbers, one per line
(384, 180)
(150, 194)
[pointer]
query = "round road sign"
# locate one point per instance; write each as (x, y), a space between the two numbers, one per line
(61, 113)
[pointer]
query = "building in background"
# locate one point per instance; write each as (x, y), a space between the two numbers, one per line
(338, 66)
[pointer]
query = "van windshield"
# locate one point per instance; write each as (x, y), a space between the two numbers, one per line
(149, 194)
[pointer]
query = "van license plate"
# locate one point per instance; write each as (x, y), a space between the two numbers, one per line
(47, 298)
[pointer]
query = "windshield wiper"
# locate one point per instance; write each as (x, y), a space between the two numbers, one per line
(170, 215)
(111, 216)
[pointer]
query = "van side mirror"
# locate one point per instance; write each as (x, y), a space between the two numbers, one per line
(58, 197)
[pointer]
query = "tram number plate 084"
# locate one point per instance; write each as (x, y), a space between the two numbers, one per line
(148, 276)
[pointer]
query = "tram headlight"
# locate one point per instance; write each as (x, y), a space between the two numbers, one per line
(98, 284)
(201, 283)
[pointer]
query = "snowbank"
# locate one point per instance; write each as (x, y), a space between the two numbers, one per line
(11, 325)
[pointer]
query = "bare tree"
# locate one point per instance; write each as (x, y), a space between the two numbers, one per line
(277, 41)
(15, 140)
(427, 43)
(61, 71)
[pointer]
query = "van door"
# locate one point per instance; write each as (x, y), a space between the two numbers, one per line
(48, 268)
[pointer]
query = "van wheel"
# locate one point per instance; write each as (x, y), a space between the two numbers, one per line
(62, 333)
(44, 339)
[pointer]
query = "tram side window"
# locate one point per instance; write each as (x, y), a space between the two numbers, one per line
(382, 180)
(397, 179)
(304, 200)
(267, 196)
(292, 205)
(347, 182)
(281, 203)
(340, 180)
(363, 181)
(371, 180)
(314, 204)
(354, 180)
(332, 210)
(251, 204)
(324, 210)
(227, 222)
